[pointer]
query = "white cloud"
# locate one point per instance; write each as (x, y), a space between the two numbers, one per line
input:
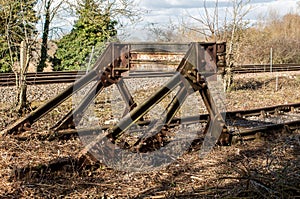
(169, 4)
(162, 11)
(165, 9)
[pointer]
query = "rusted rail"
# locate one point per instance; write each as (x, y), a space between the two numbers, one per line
(245, 128)
(8, 79)
(158, 69)
(256, 68)
(262, 112)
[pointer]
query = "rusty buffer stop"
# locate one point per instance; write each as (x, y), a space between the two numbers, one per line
(192, 64)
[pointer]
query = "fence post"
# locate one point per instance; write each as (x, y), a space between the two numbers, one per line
(271, 59)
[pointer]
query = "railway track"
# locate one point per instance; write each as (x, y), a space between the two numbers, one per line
(244, 125)
(253, 68)
(8, 79)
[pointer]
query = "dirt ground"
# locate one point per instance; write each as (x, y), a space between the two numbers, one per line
(31, 167)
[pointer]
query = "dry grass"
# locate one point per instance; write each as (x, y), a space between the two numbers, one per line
(31, 167)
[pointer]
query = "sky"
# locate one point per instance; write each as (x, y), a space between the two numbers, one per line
(161, 12)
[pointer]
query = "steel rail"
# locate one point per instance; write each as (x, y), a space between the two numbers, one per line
(203, 118)
(9, 79)
(255, 68)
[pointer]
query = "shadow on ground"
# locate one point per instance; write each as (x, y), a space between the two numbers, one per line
(257, 170)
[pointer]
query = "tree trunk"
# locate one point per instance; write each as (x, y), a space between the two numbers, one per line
(44, 49)
(22, 98)
(230, 59)
(22, 84)
(228, 78)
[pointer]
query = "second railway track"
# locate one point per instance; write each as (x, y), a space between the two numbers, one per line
(9, 79)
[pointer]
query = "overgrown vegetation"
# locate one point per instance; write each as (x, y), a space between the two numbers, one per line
(280, 34)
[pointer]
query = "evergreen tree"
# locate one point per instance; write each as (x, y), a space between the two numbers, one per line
(17, 21)
(93, 27)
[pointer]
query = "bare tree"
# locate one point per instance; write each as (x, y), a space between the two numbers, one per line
(239, 11)
(51, 8)
(209, 22)
(20, 66)
(230, 30)
(276, 32)
(172, 32)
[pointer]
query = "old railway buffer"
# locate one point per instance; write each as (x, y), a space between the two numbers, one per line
(198, 69)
